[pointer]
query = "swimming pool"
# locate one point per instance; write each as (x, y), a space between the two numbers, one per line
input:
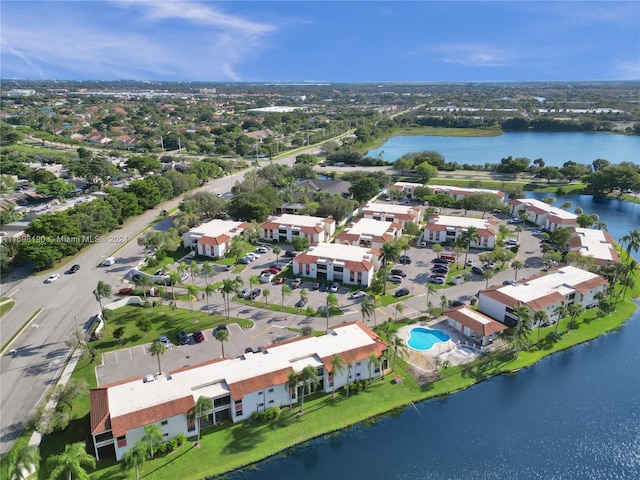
(423, 339)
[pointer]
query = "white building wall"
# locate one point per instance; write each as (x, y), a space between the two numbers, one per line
(175, 426)
(492, 308)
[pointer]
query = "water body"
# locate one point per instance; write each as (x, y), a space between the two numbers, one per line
(573, 415)
(554, 148)
(620, 216)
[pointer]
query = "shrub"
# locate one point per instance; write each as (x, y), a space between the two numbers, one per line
(270, 414)
(181, 438)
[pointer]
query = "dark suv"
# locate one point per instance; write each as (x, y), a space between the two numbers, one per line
(397, 271)
(183, 337)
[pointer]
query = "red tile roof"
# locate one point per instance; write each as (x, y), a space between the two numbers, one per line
(462, 315)
(146, 416)
(219, 240)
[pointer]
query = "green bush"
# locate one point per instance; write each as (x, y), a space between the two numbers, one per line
(181, 439)
(268, 415)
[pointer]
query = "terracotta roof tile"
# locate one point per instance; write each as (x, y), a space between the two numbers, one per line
(239, 389)
(463, 316)
(146, 416)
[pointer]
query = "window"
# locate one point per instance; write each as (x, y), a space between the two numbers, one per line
(261, 405)
(239, 413)
(357, 364)
(220, 402)
(270, 402)
(164, 422)
(358, 374)
(165, 434)
(191, 423)
(122, 441)
(271, 390)
(260, 393)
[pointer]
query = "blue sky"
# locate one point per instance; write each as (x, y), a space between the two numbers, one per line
(332, 41)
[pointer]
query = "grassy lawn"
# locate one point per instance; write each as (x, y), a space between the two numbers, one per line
(5, 307)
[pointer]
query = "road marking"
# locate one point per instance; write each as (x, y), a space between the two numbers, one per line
(262, 333)
(384, 313)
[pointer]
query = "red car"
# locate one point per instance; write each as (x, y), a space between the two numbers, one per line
(274, 270)
(198, 336)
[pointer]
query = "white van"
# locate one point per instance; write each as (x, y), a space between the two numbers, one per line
(109, 261)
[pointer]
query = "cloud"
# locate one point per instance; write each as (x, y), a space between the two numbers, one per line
(128, 40)
(626, 70)
(471, 55)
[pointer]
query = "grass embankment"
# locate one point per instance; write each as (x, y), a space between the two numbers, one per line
(466, 178)
(434, 132)
(6, 306)
(236, 445)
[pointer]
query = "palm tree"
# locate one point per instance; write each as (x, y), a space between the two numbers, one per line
(134, 458)
(373, 361)
(561, 312)
(633, 242)
(399, 347)
(182, 269)
(292, 383)
(286, 291)
(601, 225)
(348, 385)
(574, 310)
(516, 265)
(208, 270)
(331, 301)
(470, 236)
(158, 349)
(228, 289)
(253, 280)
(103, 290)
(304, 294)
(565, 205)
(309, 380)
(193, 293)
(265, 293)
(627, 280)
(203, 405)
(222, 335)
(519, 230)
(458, 246)
(208, 291)
(21, 460)
(193, 267)
(145, 282)
(277, 251)
(390, 253)
(174, 277)
(540, 317)
(523, 327)
(487, 275)
(337, 366)
(399, 309)
(367, 307)
(152, 438)
(431, 288)
(444, 302)
(72, 463)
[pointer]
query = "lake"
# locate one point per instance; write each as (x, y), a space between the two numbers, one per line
(554, 148)
(573, 415)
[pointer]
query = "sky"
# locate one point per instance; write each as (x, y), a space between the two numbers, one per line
(332, 41)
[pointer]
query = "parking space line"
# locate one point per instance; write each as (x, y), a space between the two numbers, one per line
(262, 333)
(384, 313)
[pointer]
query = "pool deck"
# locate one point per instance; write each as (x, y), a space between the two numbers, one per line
(426, 360)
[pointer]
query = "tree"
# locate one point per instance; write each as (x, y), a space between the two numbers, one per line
(390, 253)
(253, 280)
(309, 378)
(574, 310)
(103, 290)
(431, 288)
(277, 251)
(561, 312)
(208, 270)
(349, 369)
(300, 243)
(559, 237)
(399, 348)
(158, 349)
(337, 366)
(516, 265)
(21, 460)
(174, 277)
(523, 327)
(373, 361)
(134, 458)
(565, 206)
(470, 236)
(364, 189)
(222, 335)
(632, 240)
(72, 463)
(194, 270)
(540, 317)
(228, 289)
(193, 293)
(367, 307)
(438, 249)
(203, 405)
(487, 275)
(399, 309)
(292, 383)
(208, 291)
(146, 282)
(68, 392)
(426, 172)
(286, 291)
(265, 293)
(152, 438)
(330, 301)
(519, 230)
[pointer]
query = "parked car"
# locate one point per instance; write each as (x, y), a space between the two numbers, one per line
(509, 282)
(261, 250)
(356, 295)
(440, 272)
(514, 221)
(401, 292)
(198, 336)
(488, 266)
(456, 303)
(245, 260)
(244, 292)
(255, 293)
(477, 270)
(404, 259)
(183, 338)
(52, 278)
(438, 280)
(228, 268)
(325, 287)
(215, 331)
(288, 253)
(74, 268)
(439, 260)
(315, 286)
(469, 263)
(395, 278)
(164, 340)
(248, 350)
(335, 286)
(397, 271)
(302, 302)
(252, 255)
(274, 270)
(109, 261)
(296, 283)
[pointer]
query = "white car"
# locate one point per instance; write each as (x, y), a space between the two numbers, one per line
(261, 250)
(52, 278)
(356, 295)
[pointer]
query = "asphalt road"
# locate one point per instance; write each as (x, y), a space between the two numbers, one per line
(33, 360)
